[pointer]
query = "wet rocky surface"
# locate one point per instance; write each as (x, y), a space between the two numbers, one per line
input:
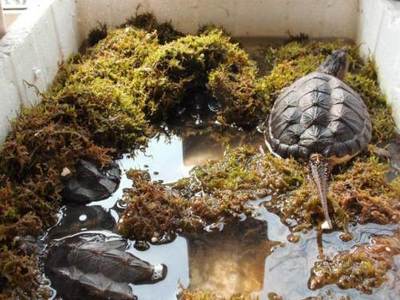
(89, 183)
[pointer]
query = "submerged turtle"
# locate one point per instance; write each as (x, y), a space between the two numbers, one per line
(321, 119)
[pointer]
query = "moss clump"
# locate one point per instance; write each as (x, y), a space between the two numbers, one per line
(21, 275)
(361, 194)
(216, 191)
(366, 195)
(364, 267)
(171, 77)
(152, 210)
(236, 92)
(100, 85)
(244, 169)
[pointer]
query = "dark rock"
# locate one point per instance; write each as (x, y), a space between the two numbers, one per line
(76, 218)
(99, 269)
(73, 284)
(89, 183)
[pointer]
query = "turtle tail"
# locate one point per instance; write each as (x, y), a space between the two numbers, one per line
(320, 172)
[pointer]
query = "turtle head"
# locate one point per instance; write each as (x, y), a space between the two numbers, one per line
(335, 64)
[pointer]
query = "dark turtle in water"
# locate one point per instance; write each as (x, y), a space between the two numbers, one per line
(322, 120)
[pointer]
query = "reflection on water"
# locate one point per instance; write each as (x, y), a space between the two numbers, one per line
(230, 261)
(248, 257)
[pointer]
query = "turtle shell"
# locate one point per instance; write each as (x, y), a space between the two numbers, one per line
(318, 113)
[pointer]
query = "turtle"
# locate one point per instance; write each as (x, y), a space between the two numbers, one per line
(320, 119)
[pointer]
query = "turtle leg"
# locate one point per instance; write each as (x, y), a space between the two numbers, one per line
(320, 171)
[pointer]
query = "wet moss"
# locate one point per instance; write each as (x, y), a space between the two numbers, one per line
(364, 267)
(156, 213)
(216, 191)
(361, 194)
(245, 169)
(89, 108)
(152, 210)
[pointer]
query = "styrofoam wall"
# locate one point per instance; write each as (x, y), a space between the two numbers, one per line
(52, 30)
(31, 51)
(379, 38)
(255, 18)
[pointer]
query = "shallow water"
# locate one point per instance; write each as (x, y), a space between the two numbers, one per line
(253, 256)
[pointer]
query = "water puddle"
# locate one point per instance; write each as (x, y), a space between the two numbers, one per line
(252, 256)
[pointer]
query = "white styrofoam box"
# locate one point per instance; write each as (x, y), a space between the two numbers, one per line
(10, 98)
(254, 18)
(395, 94)
(24, 44)
(66, 24)
(379, 29)
(183, 14)
(35, 44)
(369, 24)
(123, 10)
(91, 13)
(10, 17)
(222, 12)
(276, 18)
(387, 50)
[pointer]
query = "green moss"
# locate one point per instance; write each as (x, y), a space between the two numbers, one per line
(364, 267)
(152, 210)
(244, 169)
(176, 72)
(360, 194)
(237, 94)
(226, 186)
